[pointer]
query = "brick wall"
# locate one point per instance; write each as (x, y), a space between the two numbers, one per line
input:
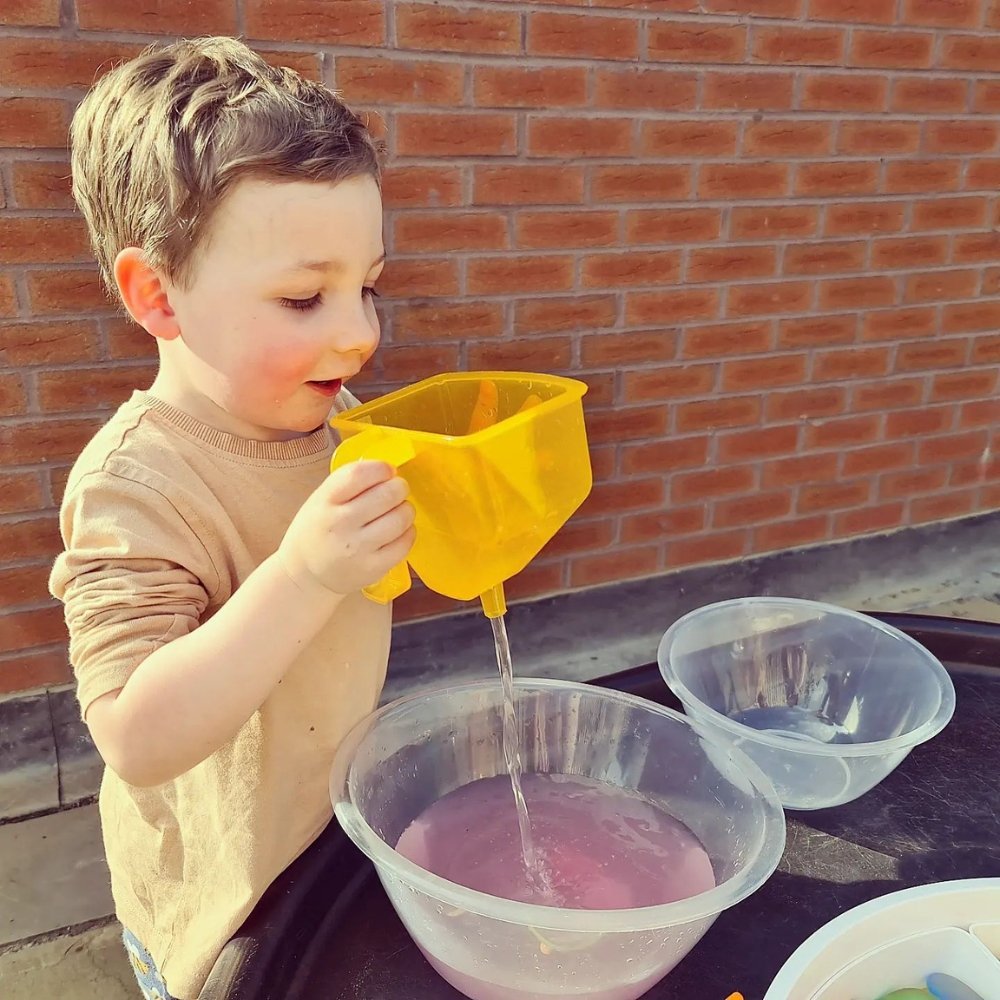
(762, 230)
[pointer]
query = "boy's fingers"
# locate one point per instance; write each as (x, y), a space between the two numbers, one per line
(352, 480)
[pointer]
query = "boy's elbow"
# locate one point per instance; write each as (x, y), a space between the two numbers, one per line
(123, 750)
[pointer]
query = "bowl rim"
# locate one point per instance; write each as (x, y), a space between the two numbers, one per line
(706, 904)
(905, 741)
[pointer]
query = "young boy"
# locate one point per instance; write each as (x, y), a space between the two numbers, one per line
(213, 567)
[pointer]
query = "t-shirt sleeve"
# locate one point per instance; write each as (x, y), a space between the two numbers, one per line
(133, 576)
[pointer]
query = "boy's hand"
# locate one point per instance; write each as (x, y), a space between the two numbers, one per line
(354, 528)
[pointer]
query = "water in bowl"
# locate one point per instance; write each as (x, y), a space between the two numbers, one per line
(793, 721)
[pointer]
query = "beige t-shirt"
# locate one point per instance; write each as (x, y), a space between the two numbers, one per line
(163, 518)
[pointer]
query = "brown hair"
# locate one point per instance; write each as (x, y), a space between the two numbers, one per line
(158, 142)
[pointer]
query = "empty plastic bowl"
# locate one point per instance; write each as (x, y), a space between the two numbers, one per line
(826, 701)
(411, 753)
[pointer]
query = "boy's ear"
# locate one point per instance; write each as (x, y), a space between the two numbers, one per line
(145, 295)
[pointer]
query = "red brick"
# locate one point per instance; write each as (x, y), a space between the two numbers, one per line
(754, 509)
(445, 321)
(308, 64)
(675, 306)
(800, 469)
(416, 231)
(37, 343)
(930, 286)
(987, 96)
(764, 373)
(51, 63)
(419, 602)
(970, 52)
(950, 213)
(817, 331)
(635, 267)
(798, 46)
(971, 317)
(973, 248)
(788, 137)
(619, 349)
(621, 564)
(909, 251)
(824, 258)
(572, 137)
(731, 263)
(669, 382)
(581, 536)
(765, 91)
(761, 442)
(727, 339)
(769, 299)
(601, 393)
(537, 354)
(13, 400)
(885, 395)
(42, 184)
(961, 137)
(645, 90)
(860, 11)
(630, 182)
(942, 13)
(942, 508)
(662, 524)
(759, 8)
(893, 49)
(31, 13)
(774, 221)
(528, 185)
(982, 413)
(24, 630)
(350, 22)
(689, 138)
(878, 138)
(22, 491)
(127, 340)
(855, 92)
(211, 17)
(865, 217)
(991, 281)
(969, 444)
(431, 277)
(899, 324)
(694, 42)
(689, 487)
(613, 498)
(852, 363)
(909, 176)
(659, 6)
(538, 580)
(833, 497)
(626, 424)
(44, 441)
(78, 290)
(462, 29)
(869, 520)
(555, 230)
(524, 87)
(583, 36)
(421, 187)
(925, 95)
(510, 275)
(8, 296)
(32, 538)
(577, 312)
(705, 549)
(397, 81)
(905, 484)
(879, 458)
(964, 385)
(712, 414)
(455, 134)
(791, 534)
(743, 180)
(931, 356)
(673, 225)
(909, 424)
(982, 175)
(410, 364)
(665, 456)
(842, 433)
(837, 178)
(986, 350)
(24, 585)
(33, 122)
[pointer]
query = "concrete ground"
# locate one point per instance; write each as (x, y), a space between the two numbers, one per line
(58, 939)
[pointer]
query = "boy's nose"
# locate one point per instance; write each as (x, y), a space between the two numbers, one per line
(354, 335)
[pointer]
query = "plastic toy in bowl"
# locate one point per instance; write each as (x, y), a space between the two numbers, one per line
(907, 994)
(826, 701)
(946, 987)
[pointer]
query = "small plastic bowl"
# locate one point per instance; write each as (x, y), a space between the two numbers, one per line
(411, 753)
(827, 702)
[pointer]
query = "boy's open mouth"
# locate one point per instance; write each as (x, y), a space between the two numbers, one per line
(328, 387)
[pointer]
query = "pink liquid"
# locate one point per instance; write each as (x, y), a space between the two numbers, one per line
(597, 847)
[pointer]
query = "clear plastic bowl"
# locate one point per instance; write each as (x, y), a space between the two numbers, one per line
(409, 754)
(826, 701)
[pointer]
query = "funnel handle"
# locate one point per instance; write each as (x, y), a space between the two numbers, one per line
(374, 444)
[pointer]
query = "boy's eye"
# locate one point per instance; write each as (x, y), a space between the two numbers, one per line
(302, 304)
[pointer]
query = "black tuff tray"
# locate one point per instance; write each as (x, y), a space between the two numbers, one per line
(326, 931)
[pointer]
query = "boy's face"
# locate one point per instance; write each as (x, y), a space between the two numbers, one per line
(279, 308)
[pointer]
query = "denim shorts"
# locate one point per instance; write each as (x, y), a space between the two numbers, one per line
(150, 981)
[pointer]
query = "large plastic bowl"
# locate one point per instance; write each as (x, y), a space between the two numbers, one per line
(826, 701)
(411, 753)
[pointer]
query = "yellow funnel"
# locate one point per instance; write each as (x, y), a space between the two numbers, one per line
(496, 462)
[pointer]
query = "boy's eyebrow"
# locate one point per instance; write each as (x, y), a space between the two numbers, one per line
(330, 265)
